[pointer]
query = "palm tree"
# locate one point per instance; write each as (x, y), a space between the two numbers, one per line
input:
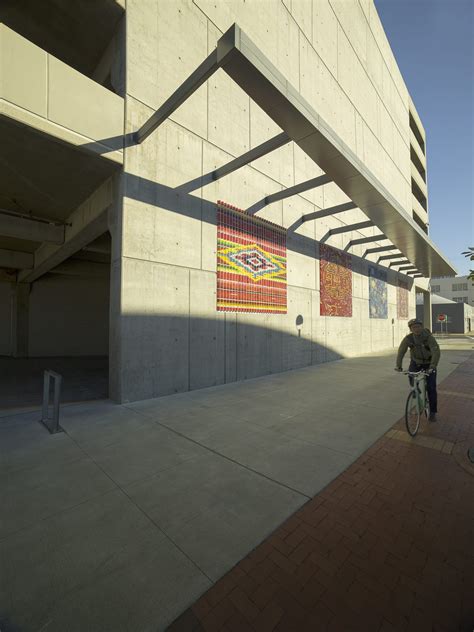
(469, 253)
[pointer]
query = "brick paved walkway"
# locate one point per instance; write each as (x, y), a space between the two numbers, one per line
(387, 546)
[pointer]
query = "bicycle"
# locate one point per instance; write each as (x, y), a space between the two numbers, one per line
(417, 401)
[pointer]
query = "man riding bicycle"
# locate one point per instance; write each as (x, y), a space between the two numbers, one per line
(425, 354)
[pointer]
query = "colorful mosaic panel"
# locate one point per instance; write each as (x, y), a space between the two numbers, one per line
(402, 299)
(251, 263)
(335, 282)
(378, 305)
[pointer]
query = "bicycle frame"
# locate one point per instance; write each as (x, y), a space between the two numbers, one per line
(418, 385)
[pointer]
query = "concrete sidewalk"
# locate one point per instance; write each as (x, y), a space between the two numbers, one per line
(388, 546)
(124, 520)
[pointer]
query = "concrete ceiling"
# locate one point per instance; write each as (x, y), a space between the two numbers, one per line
(75, 31)
(43, 177)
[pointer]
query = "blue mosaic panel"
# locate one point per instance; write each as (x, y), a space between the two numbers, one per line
(378, 307)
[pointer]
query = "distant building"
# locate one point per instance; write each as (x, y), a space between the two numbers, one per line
(458, 289)
(459, 317)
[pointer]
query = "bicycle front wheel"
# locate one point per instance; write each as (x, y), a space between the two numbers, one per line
(427, 407)
(412, 414)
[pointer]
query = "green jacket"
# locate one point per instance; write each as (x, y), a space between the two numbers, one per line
(423, 349)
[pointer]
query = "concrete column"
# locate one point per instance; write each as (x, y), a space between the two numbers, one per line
(427, 312)
(115, 221)
(20, 319)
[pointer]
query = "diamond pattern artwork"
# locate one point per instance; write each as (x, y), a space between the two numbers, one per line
(251, 263)
(378, 305)
(335, 282)
(402, 299)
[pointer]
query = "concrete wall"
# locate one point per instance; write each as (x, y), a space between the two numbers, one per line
(336, 54)
(69, 316)
(459, 315)
(40, 91)
(5, 319)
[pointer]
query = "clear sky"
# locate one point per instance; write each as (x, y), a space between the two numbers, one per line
(432, 41)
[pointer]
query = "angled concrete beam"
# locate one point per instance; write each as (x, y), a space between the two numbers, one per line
(387, 257)
(30, 229)
(257, 152)
(370, 251)
(417, 276)
(398, 263)
(298, 188)
(365, 240)
(406, 268)
(88, 222)
(202, 73)
(412, 272)
(349, 227)
(15, 259)
(333, 210)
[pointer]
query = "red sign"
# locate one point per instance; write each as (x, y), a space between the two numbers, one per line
(441, 317)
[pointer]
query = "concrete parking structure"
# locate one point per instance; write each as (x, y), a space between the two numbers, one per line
(119, 157)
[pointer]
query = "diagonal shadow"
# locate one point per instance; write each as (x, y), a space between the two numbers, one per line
(178, 201)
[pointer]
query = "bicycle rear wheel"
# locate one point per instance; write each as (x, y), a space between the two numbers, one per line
(412, 414)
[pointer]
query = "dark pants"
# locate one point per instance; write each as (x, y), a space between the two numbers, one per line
(430, 384)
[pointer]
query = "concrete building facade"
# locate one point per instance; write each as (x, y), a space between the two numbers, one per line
(116, 155)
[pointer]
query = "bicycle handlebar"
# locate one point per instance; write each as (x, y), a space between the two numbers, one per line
(413, 373)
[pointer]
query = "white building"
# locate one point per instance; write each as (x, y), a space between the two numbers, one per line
(458, 289)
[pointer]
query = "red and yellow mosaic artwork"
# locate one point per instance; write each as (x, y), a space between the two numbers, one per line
(251, 263)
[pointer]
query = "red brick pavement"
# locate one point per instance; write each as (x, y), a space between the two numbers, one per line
(388, 546)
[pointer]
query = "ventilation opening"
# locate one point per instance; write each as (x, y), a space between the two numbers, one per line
(418, 194)
(420, 223)
(417, 133)
(417, 162)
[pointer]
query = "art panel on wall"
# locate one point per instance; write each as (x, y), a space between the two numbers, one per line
(378, 304)
(251, 263)
(402, 299)
(335, 282)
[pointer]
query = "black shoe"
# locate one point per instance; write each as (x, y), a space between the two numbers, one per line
(432, 417)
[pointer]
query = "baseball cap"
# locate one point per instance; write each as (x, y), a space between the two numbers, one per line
(414, 321)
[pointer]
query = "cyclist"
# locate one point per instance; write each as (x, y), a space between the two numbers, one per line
(425, 354)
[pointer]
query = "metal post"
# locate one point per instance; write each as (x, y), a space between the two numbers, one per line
(51, 424)
(44, 416)
(57, 394)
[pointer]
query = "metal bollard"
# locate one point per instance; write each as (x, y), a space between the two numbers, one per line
(52, 424)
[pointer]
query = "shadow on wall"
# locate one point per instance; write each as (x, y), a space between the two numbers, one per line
(171, 354)
(178, 201)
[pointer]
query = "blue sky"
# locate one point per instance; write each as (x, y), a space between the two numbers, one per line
(432, 41)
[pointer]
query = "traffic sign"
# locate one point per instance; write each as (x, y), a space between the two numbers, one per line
(441, 318)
